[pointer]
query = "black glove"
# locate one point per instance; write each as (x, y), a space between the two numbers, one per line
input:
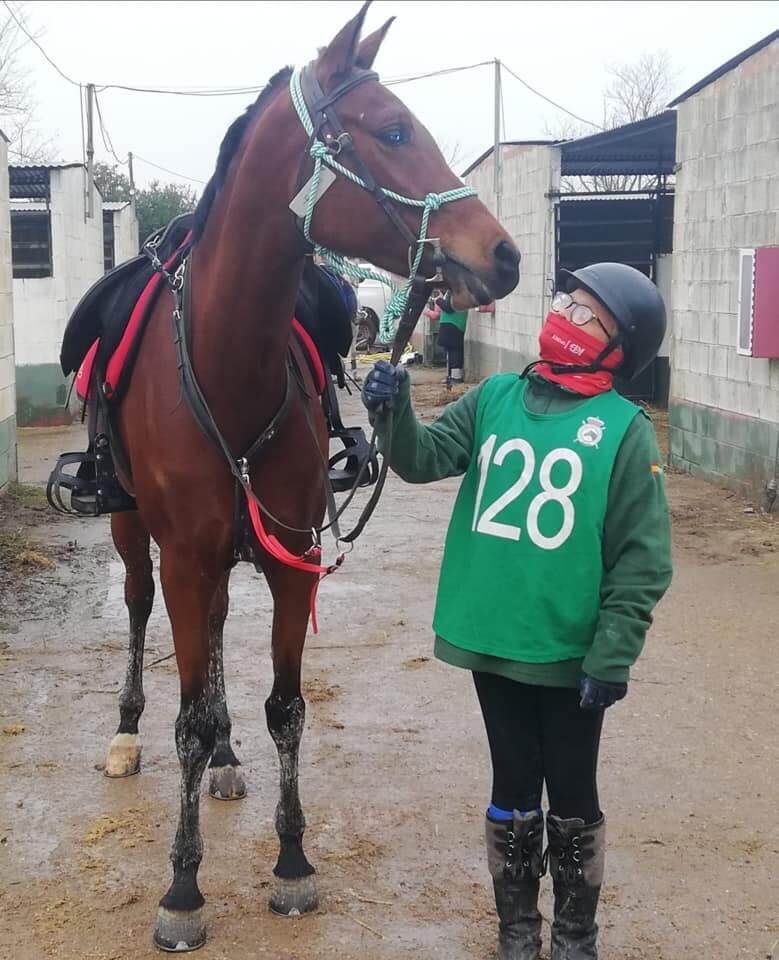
(598, 694)
(382, 385)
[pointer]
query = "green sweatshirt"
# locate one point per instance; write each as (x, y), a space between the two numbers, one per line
(636, 553)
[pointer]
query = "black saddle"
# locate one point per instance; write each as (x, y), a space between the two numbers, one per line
(323, 308)
(105, 308)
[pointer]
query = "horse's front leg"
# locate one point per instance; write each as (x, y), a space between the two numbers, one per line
(188, 594)
(295, 889)
(131, 539)
(226, 777)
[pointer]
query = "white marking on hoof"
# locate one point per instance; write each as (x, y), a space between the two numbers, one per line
(124, 755)
(227, 783)
(291, 898)
(179, 931)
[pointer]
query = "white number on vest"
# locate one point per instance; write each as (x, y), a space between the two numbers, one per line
(486, 523)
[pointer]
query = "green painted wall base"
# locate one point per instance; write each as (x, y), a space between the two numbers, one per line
(734, 450)
(7, 451)
(41, 390)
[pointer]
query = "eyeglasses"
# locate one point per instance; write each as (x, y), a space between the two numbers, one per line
(578, 313)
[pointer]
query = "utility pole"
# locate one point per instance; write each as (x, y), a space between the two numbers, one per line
(498, 185)
(90, 152)
(131, 176)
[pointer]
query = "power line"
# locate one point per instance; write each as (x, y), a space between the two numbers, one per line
(394, 81)
(173, 173)
(107, 143)
(30, 37)
(172, 92)
(549, 100)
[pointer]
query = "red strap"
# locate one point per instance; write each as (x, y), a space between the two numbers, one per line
(273, 546)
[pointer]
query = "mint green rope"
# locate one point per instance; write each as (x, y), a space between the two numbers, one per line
(433, 201)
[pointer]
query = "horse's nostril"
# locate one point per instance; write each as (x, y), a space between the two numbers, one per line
(507, 255)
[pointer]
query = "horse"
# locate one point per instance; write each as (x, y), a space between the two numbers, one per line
(237, 293)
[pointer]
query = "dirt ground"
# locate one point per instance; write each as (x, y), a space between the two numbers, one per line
(394, 775)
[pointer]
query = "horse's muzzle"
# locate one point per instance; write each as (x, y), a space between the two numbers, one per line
(472, 287)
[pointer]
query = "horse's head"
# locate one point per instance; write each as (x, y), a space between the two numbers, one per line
(386, 143)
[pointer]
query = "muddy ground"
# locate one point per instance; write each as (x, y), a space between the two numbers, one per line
(394, 773)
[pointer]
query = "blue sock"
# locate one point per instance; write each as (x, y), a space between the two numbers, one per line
(495, 813)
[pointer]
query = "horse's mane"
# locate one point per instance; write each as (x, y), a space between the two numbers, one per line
(230, 144)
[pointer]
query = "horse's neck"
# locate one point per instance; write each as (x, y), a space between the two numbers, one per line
(245, 277)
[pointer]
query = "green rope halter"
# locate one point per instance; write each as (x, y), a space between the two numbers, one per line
(433, 201)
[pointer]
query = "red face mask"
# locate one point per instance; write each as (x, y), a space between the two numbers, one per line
(562, 343)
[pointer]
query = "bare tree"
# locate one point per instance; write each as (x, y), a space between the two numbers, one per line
(17, 104)
(636, 91)
(452, 152)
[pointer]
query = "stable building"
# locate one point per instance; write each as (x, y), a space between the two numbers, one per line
(58, 251)
(7, 364)
(567, 204)
(724, 410)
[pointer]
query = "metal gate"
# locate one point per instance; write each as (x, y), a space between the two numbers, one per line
(631, 229)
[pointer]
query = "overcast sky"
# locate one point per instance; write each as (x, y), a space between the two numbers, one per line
(561, 48)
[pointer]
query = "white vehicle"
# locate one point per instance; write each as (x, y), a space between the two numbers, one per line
(372, 299)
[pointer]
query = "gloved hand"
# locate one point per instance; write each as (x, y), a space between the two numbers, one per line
(382, 385)
(598, 694)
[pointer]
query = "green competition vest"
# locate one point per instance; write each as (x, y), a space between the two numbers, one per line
(457, 319)
(521, 573)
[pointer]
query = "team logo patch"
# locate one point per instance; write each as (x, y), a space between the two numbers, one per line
(590, 433)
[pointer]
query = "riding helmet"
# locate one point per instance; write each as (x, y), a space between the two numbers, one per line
(635, 303)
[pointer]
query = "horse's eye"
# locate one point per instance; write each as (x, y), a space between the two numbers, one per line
(394, 136)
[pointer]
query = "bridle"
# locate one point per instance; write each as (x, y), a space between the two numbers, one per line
(317, 113)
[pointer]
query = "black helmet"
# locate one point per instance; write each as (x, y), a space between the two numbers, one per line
(635, 303)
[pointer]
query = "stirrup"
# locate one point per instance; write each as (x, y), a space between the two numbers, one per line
(356, 452)
(94, 488)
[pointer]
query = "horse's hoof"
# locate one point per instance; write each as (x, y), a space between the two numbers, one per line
(124, 755)
(227, 783)
(179, 931)
(291, 898)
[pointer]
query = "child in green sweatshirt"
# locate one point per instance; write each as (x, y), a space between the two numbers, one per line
(557, 552)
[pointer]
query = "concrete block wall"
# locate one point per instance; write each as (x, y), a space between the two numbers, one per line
(724, 410)
(508, 339)
(43, 306)
(7, 366)
(126, 242)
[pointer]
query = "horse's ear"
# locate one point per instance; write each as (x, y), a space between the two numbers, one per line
(369, 47)
(340, 55)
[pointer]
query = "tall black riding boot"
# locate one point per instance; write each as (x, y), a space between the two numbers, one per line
(516, 863)
(576, 855)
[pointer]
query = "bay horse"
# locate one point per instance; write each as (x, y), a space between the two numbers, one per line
(243, 275)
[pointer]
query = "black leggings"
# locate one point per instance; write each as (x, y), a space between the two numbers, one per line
(540, 734)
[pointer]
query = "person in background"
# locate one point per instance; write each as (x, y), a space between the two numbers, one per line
(451, 334)
(557, 552)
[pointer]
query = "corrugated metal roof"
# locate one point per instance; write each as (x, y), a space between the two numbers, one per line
(644, 147)
(115, 204)
(726, 67)
(25, 165)
(28, 206)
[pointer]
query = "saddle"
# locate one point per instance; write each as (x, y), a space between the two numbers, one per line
(102, 339)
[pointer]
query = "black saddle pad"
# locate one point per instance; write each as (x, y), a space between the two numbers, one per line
(327, 312)
(105, 308)
(324, 306)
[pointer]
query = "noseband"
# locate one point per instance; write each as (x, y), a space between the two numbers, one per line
(316, 111)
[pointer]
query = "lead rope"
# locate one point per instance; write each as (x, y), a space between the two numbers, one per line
(321, 153)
